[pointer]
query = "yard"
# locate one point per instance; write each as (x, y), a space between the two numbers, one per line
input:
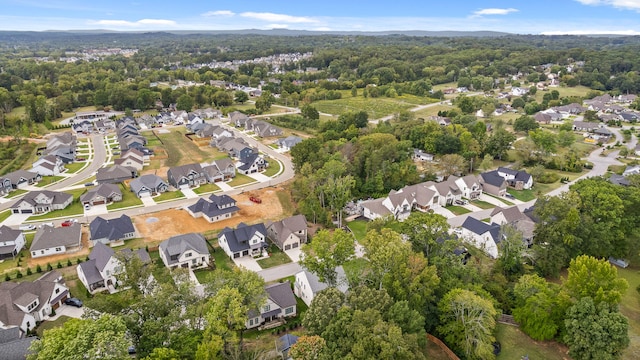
(241, 179)
(277, 257)
(516, 345)
(359, 228)
(16, 193)
(74, 209)
(46, 325)
(458, 210)
(523, 195)
(48, 180)
(129, 199)
(482, 204)
(4, 215)
(206, 188)
(274, 168)
(169, 195)
(74, 167)
(630, 307)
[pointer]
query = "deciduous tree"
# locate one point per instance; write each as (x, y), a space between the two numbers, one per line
(327, 251)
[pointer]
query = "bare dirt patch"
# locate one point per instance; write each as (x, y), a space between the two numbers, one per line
(175, 222)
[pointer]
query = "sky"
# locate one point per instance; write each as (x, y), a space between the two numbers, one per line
(521, 17)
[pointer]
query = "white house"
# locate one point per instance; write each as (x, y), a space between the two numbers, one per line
(244, 240)
(469, 186)
(185, 251)
(11, 242)
(485, 237)
(280, 304)
(518, 179)
(288, 233)
(48, 165)
(52, 241)
(307, 284)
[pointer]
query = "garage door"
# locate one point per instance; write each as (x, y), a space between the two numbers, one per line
(236, 255)
(295, 245)
(287, 247)
(26, 211)
(145, 194)
(245, 253)
(184, 187)
(100, 202)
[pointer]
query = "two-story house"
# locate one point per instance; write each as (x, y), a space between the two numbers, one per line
(252, 164)
(288, 233)
(186, 176)
(48, 165)
(41, 202)
(111, 232)
(280, 304)
(245, 240)
(185, 251)
(219, 170)
(148, 185)
(11, 242)
(216, 208)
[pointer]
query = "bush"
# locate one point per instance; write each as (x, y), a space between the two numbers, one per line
(38, 269)
(29, 272)
(7, 278)
(548, 178)
(78, 261)
(49, 267)
(18, 274)
(59, 265)
(69, 263)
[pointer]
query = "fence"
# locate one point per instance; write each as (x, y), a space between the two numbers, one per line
(442, 346)
(507, 319)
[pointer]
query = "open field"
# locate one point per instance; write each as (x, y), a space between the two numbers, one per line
(516, 344)
(375, 107)
(630, 307)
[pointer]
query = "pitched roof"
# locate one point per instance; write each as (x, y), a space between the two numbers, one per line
(375, 206)
(48, 237)
(104, 190)
(316, 285)
(287, 226)
(18, 293)
(510, 214)
(150, 181)
(479, 227)
(281, 294)
(112, 229)
(238, 238)
(492, 178)
(215, 206)
(58, 197)
(8, 234)
(248, 161)
(178, 244)
(15, 176)
(183, 170)
(115, 172)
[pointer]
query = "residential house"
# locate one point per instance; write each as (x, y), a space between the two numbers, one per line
(112, 232)
(27, 303)
(585, 126)
(48, 165)
(186, 176)
(219, 170)
(22, 178)
(15, 346)
(619, 180)
(421, 197)
(206, 131)
(115, 174)
(84, 126)
(485, 237)
(102, 194)
(63, 139)
(135, 154)
(289, 142)
(542, 118)
(65, 153)
(244, 240)
(185, 251)
(5, 186)
(214, 209)
(148, 185)
(568, 110)
(132, 142)
(631, 170)
(307, 284)
(252, 164)
(101, 271)
(419, 155)
(518, 179)
(264, 129)
(630, 116)
(11, 242)
(280, 304)
(134, 162)
(41, 202)
(53, 241)
(441, 120)
(515, 218)
(469, 186)
(288, 233)
(219, 131)
(284, 344)
(492, 183)
(238, 119)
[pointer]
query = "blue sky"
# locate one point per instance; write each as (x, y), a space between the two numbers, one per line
(524, 17)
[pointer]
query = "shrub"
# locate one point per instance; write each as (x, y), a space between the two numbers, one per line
(59, 265)
(29, 272)
(69, 263)
(78, 261)
(49, 267)
(18, 274)
(7, 278)
(38, 269)
(548, 178)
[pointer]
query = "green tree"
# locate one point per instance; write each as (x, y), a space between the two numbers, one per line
(103, 338)
(308, 348)
(544, 140)
(453, 164)
(518, 103)
(565, 138)
(326, 252)
(163, 354)
(323, 309)
(512, 251)
(487, 162)
(310, 112)
(467, 322)
(222, 98)
(264, 102)
(424, 229)
(241, 96)
(525, 123)
(226, 317)
(595, 278)
(498, 144)
(185, 102)
(595, 331)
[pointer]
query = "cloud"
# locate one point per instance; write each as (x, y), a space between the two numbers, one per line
(620, 4)
(494, 11)
(219, 13)
(139, 23)
(277, 18)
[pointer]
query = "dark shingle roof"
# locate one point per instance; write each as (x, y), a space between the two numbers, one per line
(281, 294)
(113, 229)
(479, 227)
(177, 245)
(237, 239)
(492, 178)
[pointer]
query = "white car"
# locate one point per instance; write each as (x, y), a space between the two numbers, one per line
(27, 227)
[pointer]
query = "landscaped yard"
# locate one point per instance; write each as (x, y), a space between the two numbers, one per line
(353, 269)
(48, 180)
(359, 228)
(482, 204)
(206, 188)
(222, 261)
(630, 307)
(46, 325)
(74, 167)
(16, 193)
(129, 199)
(4, 215)
(516, 345)
(241, 179)
(274, 168)
(74, 209)
(458, 210)
(277, 258)
(169, 195)
(523, 195)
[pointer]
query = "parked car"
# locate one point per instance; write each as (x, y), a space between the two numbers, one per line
(27, 227)
(74, 302)
(81, 159)
(87, 206)
(509, 196)
(88, 184)
(69, 222)
(462, 202)
(47, 223)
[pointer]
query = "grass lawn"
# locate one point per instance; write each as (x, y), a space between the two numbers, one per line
(74, 167)
(523, 195)
(516, 344)
(288, 208)
(241, 179)
(169, 195)
(354, 268)
(274, 168)
(359, 228)
(482, 204)
(16, 193)
(46, 325)
(277, 258)
(4, 215)
(458, 210)
(501, 199)
(375, 107)
(129, 199)
(203, 275)
(183, 151)
(222, 260)
(48, 180)
(630, 307)
(206, 188)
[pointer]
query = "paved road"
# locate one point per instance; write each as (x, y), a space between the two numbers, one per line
(279, 272)
(422, 107)
(96, 162)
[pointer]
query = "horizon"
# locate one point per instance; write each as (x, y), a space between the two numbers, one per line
(564, 17)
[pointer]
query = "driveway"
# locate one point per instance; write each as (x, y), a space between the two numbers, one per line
(188, 193)
(260, 177)
(491, 200)
(294, 254)
(224, 186)
(70, 311)
(248, 263)
(148, 201)
(96, 210)
(279, 272)
(444, 212)
(16, 219)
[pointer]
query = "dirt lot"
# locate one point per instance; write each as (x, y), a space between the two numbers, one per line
(159, 226)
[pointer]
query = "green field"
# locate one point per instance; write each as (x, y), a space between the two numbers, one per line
(630, 307)
(74, 167)
(48, 180)
(274, 168)
(482, 204)
(375, 107)
(516, 344)
(523, 195)
(359, 228)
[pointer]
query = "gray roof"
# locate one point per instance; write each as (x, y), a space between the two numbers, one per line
(11, 293)
(178, 244)
(286, 342)
(619, 180)
(90, 271)
(104, 190)
(479, 227)
(115, 173)
(510, 214)
(286, 227)
(214, 207)
(150, 181)
(113, 229)
(316, 285)
(58, 197)
(281, 294)
(492, 178)
(48, 237)
(238, 238)
(184, 170)
(8, 234)
(15, 176)
(375, 206)
(248, 161)
(12, 346)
